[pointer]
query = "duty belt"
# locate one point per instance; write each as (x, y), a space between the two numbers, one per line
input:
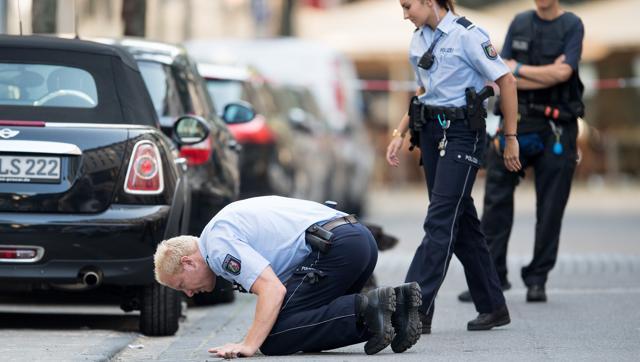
(319, 236)
(449, 113)
(332, 224)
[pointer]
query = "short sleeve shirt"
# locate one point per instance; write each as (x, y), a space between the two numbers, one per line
(572, 39)
(464, 57)
(248, 235)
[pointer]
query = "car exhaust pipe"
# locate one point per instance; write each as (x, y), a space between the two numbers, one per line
(91, 278)
(88, 278)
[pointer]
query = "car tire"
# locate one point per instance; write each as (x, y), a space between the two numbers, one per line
(160, 312)
(221, 294)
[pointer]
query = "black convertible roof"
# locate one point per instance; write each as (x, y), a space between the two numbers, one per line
(122, 94)
(69, 45)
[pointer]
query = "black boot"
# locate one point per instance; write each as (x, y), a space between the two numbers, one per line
(425, 320)
(466, 295)
(405, 319)
(536, 293)
(375, 311)
(486, 321)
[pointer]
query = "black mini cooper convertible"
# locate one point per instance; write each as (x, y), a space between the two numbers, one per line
(89, 184)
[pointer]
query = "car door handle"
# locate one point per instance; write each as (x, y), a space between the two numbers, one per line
(234, 145)
(182, 162)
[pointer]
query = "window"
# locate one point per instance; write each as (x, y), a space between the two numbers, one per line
(224, 92)
(162, 89)
(44, 85)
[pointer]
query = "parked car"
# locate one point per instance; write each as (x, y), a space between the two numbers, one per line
(271, 159)
(332, 79)
(89, 184)
(177, 89)
(314, 150)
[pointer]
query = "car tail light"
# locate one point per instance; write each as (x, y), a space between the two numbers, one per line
(144, 176)
(6, 122)
(20, 254)
(255, 131)
(198, 153)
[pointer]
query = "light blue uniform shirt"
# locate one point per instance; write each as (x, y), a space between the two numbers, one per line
(463, 58)
(248, 235)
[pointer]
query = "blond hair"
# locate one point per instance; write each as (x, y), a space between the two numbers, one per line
(170, 251)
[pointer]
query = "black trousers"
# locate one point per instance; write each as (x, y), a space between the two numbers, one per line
(553, 175)
(451, 225)
(318, 312)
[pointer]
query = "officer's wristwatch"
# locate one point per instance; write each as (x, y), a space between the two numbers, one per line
(397, 133)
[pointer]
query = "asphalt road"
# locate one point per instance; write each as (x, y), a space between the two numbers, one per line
(592, 313)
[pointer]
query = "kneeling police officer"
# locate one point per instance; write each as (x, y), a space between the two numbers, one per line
(307, 264)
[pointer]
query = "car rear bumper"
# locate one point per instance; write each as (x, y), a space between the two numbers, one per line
(118, 244)
(62, 272)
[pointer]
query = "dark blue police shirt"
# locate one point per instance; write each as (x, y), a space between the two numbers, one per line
(573, 38)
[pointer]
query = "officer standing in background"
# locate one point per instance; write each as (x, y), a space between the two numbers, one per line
(453, 60)
(307, 263)
(543, 49)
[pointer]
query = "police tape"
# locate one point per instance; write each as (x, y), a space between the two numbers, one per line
(383, 85)
(615, 83)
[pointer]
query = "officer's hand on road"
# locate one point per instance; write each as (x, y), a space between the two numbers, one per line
(233, 350)
(393, 149)
(512, 154)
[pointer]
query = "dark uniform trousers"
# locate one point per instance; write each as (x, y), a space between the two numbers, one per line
(452, 225)
(318, 312)
(553, 175)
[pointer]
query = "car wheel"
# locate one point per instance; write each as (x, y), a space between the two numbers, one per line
(160, 312)
(222, 293)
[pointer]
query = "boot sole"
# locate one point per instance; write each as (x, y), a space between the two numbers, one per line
(502, 322)
(413, 300)
(388, 305)
(536, 299)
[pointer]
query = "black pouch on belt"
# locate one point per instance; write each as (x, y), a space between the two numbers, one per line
(415, 122)
(319, 238)
(476, 112)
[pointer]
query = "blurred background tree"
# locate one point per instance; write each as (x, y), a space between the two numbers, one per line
(286, 24)
(43, 13)
(133, 17)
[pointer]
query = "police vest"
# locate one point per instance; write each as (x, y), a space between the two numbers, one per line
(534, 43)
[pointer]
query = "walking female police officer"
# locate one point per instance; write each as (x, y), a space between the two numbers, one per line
(452, 59)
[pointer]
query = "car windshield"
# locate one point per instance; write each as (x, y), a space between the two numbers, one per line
(225, 91)
(45, 85)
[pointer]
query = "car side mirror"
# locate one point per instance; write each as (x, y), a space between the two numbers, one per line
(299, 119)
(238, 112)
(189, 130)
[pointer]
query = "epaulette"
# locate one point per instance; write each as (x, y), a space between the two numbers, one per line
(465, 23)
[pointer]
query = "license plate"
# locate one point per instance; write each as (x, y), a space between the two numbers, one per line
(29, 169)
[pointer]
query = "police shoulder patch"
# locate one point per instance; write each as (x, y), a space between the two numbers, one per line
(489, 50)
(232, 264)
